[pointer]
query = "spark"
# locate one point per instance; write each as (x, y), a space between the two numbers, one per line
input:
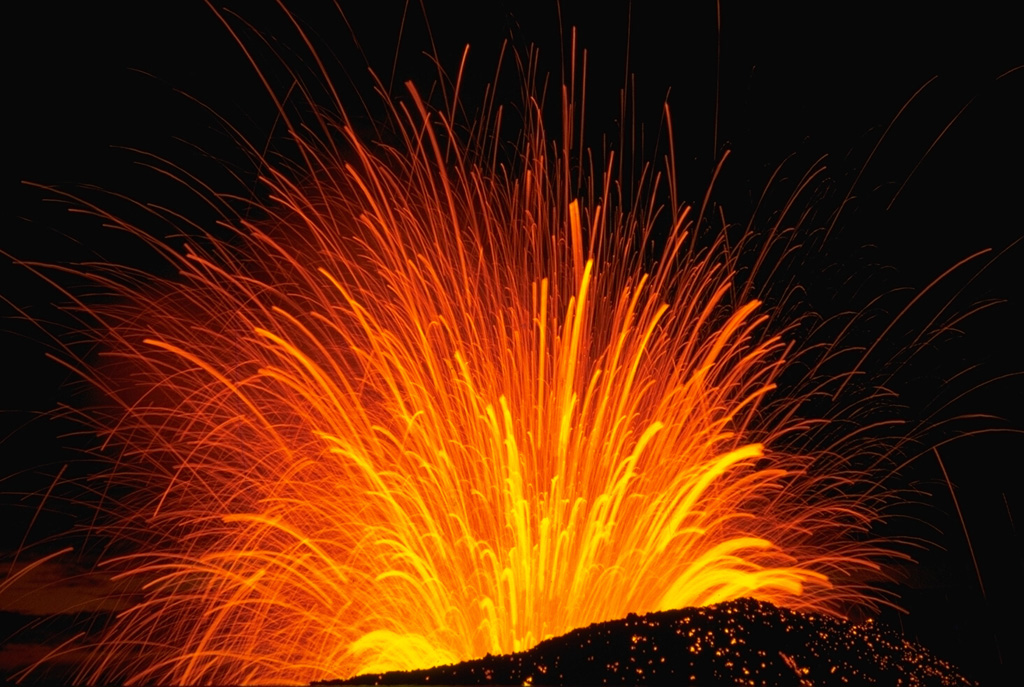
(437, 403)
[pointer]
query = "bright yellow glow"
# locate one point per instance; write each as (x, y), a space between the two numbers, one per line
(433, 407)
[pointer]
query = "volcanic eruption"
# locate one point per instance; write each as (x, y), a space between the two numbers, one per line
(435, 393)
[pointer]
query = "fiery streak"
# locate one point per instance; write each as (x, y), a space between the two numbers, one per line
(435, 406)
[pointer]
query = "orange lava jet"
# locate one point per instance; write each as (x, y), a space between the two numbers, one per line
(441, 401)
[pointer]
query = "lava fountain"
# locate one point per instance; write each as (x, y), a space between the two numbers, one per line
(446, 395)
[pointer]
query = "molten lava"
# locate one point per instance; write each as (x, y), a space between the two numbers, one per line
(440, 402)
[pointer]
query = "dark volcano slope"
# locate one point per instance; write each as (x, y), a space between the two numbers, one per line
(742, 642)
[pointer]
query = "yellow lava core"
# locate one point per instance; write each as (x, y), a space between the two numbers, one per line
(439, 403)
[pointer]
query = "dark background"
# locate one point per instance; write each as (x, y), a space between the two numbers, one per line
(89, 87)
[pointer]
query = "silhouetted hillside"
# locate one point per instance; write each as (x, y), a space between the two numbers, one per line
(740, 642)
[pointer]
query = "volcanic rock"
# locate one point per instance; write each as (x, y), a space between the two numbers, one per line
(743, 642)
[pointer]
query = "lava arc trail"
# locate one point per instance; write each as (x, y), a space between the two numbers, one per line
(440, 394)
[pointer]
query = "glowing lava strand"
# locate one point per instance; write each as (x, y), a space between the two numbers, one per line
(432, 407)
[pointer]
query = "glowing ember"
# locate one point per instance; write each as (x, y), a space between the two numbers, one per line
(440, 403)
(741, 642)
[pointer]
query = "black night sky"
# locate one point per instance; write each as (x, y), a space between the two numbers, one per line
(88, 88)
